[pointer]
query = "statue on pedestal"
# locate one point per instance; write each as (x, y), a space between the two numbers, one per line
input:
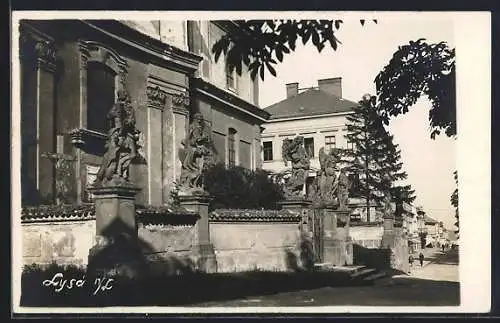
(343, 190)
(293, 150)
(388, 210)
(192, 156)
(121, 143)
(331, 186)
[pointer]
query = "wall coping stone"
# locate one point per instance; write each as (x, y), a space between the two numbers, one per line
(86, 211)
(56, 213)
(167, 215)
(366, 224)
(248, 215)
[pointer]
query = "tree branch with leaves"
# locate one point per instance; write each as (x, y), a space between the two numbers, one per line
(261, 44)
(415, 69)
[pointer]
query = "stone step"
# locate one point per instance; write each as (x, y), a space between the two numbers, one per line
(364, 272)
(331, 267)
(375, 276)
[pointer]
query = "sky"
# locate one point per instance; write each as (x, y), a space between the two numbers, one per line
(364, 51)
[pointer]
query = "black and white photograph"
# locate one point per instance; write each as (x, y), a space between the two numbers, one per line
(190, 162)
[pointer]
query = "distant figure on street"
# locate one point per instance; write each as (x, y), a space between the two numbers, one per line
(421, 258)
(410, 260)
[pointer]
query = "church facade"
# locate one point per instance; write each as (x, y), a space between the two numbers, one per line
(70, 74)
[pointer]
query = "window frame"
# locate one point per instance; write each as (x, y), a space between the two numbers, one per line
(349, 145)
(114, 75)
(91, 52)
(231, 75)
(232, 139)
(270, 148)
(328, 144)
(305, 146)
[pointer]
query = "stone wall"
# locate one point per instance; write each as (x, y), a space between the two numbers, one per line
(368, 236)
(168, 248)
(65, 235)
(64, 242)
(244, 240)
(378, 249)
(399, 250)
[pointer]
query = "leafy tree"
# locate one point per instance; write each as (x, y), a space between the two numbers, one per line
(416, 69)
(240, 188)
(259, 44)
(420, 69)
(454, 202)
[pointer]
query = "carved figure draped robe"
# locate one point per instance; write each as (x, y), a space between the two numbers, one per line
(121, 142)
(343, 190)
(192, 156)
(294, 151)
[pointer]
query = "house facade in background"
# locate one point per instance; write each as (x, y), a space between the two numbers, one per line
(318, 114)
(71, 71)
(436, 233)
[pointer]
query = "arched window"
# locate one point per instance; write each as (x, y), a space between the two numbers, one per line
(100, 95)
(231, 147)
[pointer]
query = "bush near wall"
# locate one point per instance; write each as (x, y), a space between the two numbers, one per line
(240, 188)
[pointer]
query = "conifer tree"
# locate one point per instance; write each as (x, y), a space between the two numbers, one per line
(376, 159)
(392, 166)
(365, 132)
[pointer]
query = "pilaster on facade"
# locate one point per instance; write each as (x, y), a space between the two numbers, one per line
(38, 55)
(46, 55)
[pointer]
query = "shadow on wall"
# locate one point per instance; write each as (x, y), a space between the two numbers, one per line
(371, 257)
(128, 259)
(137, 257)
(305, 260)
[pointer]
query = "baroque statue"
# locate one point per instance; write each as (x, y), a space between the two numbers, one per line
(387, 204)
(293, 150)
(343, 190)
(331, 186)
(192, 156)
(121, 143)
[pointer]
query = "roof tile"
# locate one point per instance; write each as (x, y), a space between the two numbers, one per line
(308, 103)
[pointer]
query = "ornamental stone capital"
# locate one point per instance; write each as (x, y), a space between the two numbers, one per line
(46, 55)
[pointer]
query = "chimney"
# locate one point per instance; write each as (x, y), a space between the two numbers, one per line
(331, 85)
(292, 89)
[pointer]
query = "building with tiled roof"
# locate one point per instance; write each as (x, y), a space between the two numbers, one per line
(318, 114)
(313, 102)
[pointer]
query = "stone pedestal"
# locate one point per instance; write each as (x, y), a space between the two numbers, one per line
(337, 247)
(301, 206)
(203, 248)
(294, 205)
(395, 240)
(116, 228)
(389, 235)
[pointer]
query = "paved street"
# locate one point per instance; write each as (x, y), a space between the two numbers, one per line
(434, 284)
